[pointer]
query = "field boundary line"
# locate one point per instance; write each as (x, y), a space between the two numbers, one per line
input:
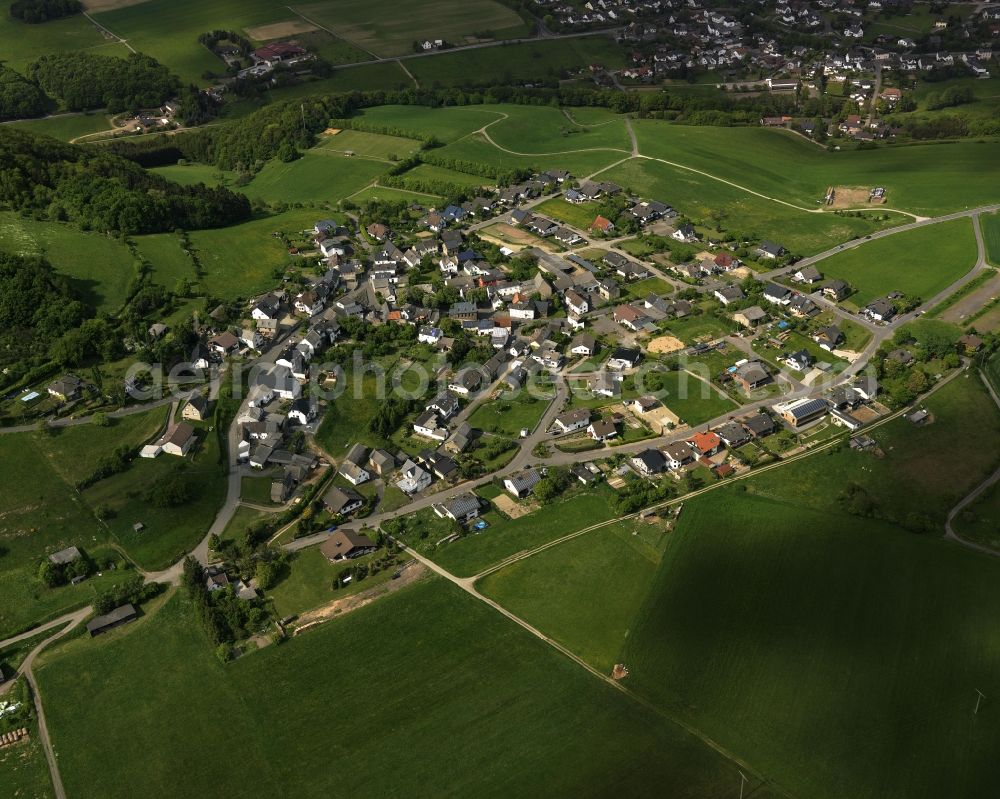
(337, 35)
(108, 31)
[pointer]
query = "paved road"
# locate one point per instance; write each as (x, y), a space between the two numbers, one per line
(120, 413)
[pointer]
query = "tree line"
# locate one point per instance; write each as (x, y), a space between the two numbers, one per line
(37, 11)
(100, 191)
(84, 81)
(19, 97)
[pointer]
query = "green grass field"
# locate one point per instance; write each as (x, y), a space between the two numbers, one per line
(67, 127)
(190, 174)
(980, 521)
(579, 216)
(319, 176)
(509, 416)
(168, 30)
(447, 124)
(386, 29)
(920, 262)
(514, 63)
(41, 511)
(170, 263)
(692, 399)
(369, 145)
(425, 172)
(990, 224)
(925, 470)
(169, 532)
(21, 44)
(700, 197)
(493, 727)
(504, 537)
(926, 179)
(24, 772)
(100, 268)
(310, 582)
(545, 129)
(579, 164)
(239, 261)
(793, 635)
(594, 586)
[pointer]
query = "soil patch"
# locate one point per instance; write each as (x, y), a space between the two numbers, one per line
(278, 30)
(664, 344)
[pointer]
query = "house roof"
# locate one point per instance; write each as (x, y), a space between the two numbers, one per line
(338, 498)
(343, 542)
(705, 441)
(463, 504)
(64, 556)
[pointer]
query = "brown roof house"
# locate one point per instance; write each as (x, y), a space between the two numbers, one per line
(345, 544)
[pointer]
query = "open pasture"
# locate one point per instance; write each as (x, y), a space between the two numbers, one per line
(926, 179)
(829, 639)
(705, 200)
(435, 727)
(385, 28)
(168, 30)
(920, 262)
(100, 268)
(319, 176)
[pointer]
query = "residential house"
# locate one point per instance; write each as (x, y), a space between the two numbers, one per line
(427, 425)
(224, 344)
(412, 478)
(382, 462)
(630, 317)
(624, 358)
(802, 411)
(66, 387)
(584, 344)
(353, 467)
(522, 484)
(602, 430)
(677, 454)
(751, 375)
(777, 294)
(729, 294)
(836, 290)
(750, 317)
(649, 462)
(576, 419)
(828, 337)
(705, 444)
(759, 425)
(342, 501)
(197, 408)
(769, 249)
(346, 545)
(808, 274)
(462, 508)
(733, 434)
(178, 439)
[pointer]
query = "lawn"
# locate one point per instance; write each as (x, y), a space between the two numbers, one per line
(579, 216)
(926, 179)
(385, 28)
(168, 30)
(699, 327)
(516, 63)
(692, 399)
(345, 420)
(990, 224)
(369, 145)
(793, 635)
(557, 589)
(240, 261)
(386, 193)
(920, 262)
(705, 200)
(504, 537)
(510, 414)
(472, 705)
(256, 489)
(169, 532)
(100, 268)
(651, 285)
(319, 176)
(310, 582)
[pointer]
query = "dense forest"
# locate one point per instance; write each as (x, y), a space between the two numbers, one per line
(84, 81)
(19, 97)
(36, 11)
(37, 306)
(101, 191)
